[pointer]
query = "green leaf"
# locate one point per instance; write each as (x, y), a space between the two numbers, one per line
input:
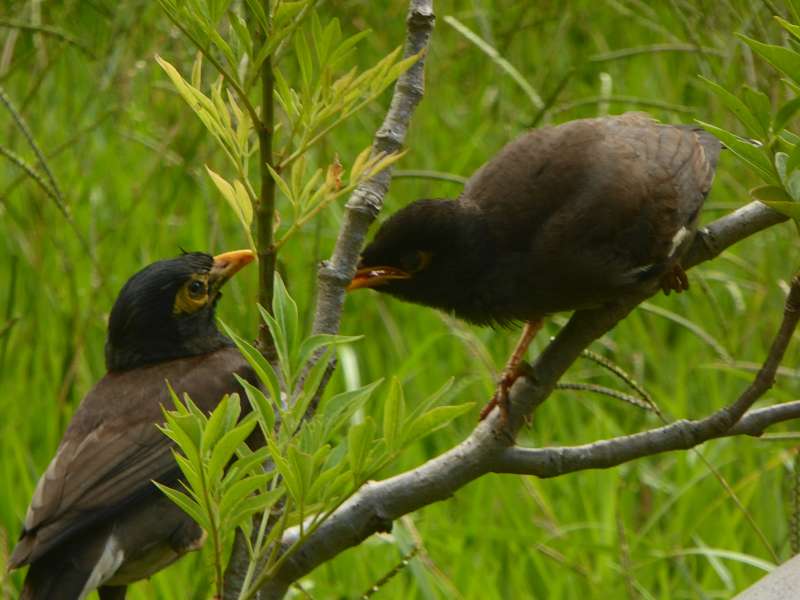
(264, 371)
(289, 10)
(314, 342)
(761, 108)
(335, 488)
(237, 197)
(394, 410)
(281, 184)
(302, 464)
(737, 107)
(242, 33)
(790, 27)
(186, 504)
(434, 419)
(344, 49)
(197, 71)
(293, 485)
(193, 97)
(261, 406)
(191, 474)
(257, 10)
(178, 434)
(781, 159)
(402, 66)
(770, 193)
(793, 185)
(790, 209)
(254, 504)
(384, 162)
(318, 489)
(285, 96)
(325, 42)
(781, 58)
(785, 114)
(220, 421)
(335, 412)
(792, 165)
(790, 138)
(432, 400)
(359, 440)
(194, 410)
(239, 491)
(755, 157)
(304, 60)
(250, 464)
(219, 103)
(227, 445)
(283, 324)
(310, 386)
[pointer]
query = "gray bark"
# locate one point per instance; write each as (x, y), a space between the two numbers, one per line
(491, 446)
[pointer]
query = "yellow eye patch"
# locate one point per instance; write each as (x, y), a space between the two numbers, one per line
(192, 296)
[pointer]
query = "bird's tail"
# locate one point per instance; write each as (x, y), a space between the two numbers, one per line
(54, 580)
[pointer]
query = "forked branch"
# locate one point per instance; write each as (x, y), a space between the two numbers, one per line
(490, 449)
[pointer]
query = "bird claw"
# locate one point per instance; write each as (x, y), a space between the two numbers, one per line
(500, 398)
(674, 280)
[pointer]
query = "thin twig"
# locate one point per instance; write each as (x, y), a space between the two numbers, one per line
(367, 200)
(487, 449)
(605, 391)
(634, 100)
(50, 31)
(651, 49)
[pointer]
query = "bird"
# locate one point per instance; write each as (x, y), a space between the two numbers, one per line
(563, 218)
(96, 520)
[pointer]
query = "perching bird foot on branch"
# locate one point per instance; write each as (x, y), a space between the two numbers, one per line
(561, 219)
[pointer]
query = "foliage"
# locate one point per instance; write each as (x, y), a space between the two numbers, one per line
(327, 94)
(303, 467)
(777, 157)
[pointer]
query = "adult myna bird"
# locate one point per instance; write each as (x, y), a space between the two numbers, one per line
(563, 218)
(96, 520)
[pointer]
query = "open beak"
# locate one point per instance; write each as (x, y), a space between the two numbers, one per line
(226, 265)
(370, 277)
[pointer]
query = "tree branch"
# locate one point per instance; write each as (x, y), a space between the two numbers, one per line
(366, 201)
(490, 447)
(681, 435)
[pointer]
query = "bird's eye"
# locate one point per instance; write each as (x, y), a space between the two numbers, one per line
(412, 263)
(197, 288)
(191, 297)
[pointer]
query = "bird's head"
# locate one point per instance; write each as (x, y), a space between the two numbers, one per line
(427, 253)
(166, 310)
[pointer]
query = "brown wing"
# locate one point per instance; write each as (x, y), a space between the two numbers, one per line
(604, 200)
(623, 182)
(112, 449)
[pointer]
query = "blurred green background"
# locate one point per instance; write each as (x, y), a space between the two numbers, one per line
(128, 155)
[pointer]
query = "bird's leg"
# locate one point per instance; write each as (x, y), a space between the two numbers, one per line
(112, 592)
(674, 280)
(512, 371)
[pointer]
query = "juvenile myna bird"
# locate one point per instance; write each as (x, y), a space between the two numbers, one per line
(96, 520)
(563, 218)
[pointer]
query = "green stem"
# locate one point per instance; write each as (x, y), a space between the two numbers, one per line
(265, 207)
(215, 535)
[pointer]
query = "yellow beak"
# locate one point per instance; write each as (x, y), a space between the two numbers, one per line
(226, 265)
(370, 277)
